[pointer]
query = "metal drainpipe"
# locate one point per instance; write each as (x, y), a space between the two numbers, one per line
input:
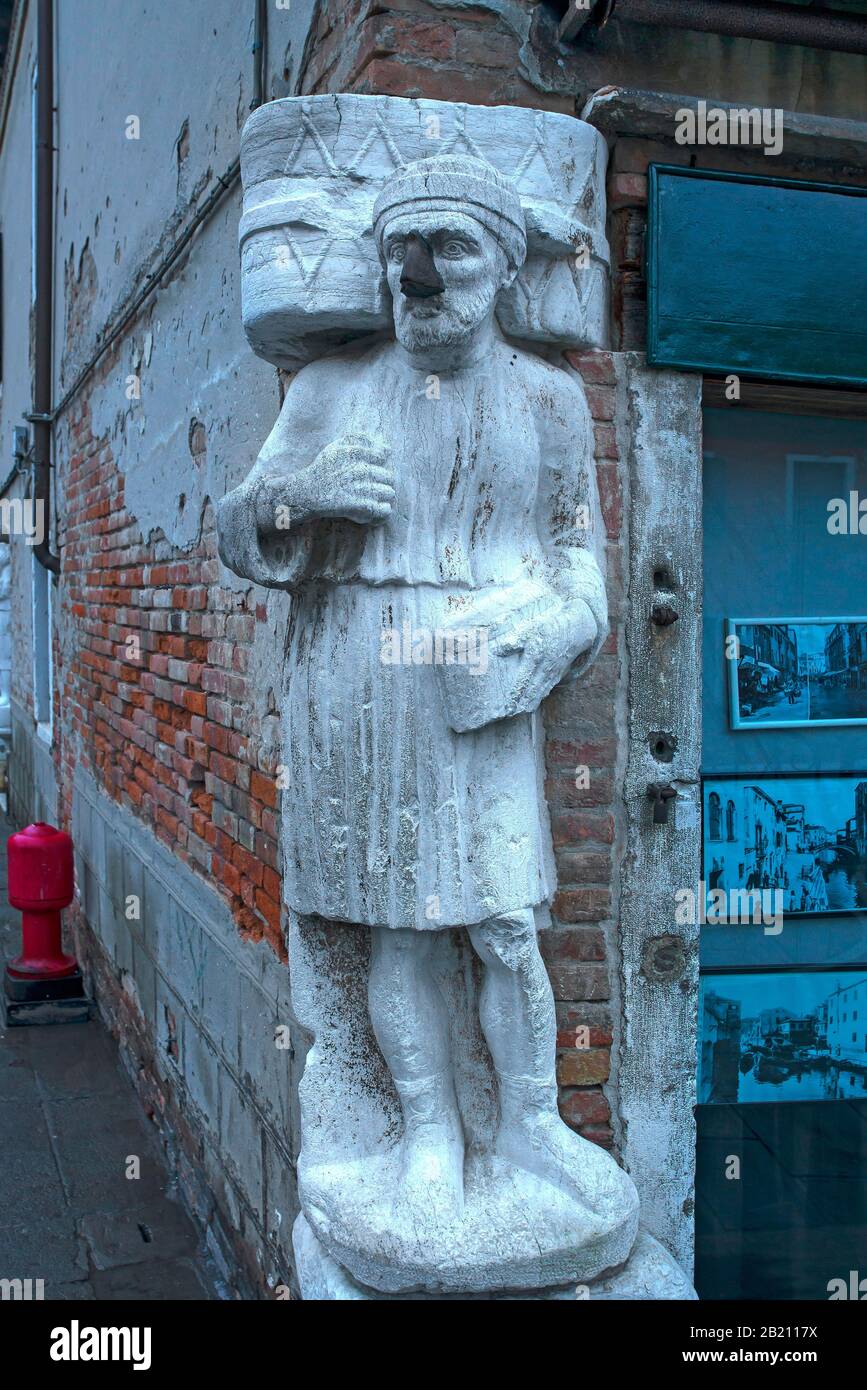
(40, 416)
(834, 30)
(260, 53)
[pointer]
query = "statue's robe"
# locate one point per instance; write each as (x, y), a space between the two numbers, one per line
(391, 817)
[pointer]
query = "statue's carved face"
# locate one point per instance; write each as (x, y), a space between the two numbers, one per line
(471, 264)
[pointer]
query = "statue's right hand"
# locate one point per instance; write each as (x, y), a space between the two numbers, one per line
(348, 478)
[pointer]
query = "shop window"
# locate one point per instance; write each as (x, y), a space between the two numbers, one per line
(782, 1069)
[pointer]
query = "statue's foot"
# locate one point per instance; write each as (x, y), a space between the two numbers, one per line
(432, 1169)
(432, 1150)
(532, 1136)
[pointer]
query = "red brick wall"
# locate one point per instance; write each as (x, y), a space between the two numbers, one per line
(165, 727)
(412, 49)
(580, 719)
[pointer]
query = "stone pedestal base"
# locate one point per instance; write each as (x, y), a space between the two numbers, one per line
(514, 1231)
(649, 1273)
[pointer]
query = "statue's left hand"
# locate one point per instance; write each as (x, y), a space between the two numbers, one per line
(526, 659)
(536, 637)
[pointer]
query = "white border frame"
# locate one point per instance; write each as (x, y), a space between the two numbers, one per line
(735, 721)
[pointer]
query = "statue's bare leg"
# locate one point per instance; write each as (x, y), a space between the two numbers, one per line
(519, 1023)
(409, 1019)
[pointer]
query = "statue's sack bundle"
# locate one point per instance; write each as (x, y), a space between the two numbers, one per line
(312, 169)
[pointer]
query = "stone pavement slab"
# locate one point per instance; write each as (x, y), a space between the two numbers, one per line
(70, 1122)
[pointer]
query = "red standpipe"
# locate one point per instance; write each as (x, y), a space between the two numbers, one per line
(41, 884)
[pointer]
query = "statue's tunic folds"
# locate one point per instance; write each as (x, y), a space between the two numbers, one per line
(391, 817)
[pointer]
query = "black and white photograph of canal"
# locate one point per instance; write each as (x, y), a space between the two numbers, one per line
(799, 1035)
(797, 671)
(803, 836)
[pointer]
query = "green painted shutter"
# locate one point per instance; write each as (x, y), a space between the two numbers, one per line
(758, 277)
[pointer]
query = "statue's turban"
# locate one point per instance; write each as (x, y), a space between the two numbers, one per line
(456, 183)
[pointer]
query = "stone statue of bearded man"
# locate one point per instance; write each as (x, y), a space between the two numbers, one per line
(429, 500)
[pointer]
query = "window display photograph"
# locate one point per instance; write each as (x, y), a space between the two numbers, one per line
(804, 839)
(783, 1036)
(786, 673)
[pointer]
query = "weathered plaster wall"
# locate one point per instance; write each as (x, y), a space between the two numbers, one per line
(15, 389)
(185, 74)
(205, 400)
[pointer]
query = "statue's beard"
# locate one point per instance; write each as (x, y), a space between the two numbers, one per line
(443, 319)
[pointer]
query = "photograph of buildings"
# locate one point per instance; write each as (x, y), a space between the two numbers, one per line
(799, 1035)
(797, 671)
(803, 836)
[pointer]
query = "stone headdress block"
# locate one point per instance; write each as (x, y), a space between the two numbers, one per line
(312, 168)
